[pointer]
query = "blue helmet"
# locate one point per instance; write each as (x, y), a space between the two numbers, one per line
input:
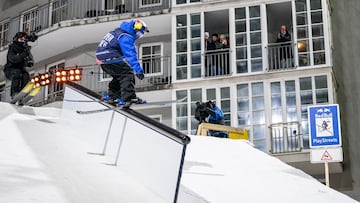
(140, 28)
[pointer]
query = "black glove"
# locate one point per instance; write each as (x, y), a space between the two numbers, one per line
(140, 76)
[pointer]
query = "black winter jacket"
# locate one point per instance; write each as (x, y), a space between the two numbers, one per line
(16, 55)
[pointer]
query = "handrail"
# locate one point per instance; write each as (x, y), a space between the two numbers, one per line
(161, 128)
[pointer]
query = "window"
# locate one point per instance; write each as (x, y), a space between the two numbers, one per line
(313, 90)
(225, 104)
(178, 2)
(30, 21)
(276, 104)
(4, 33)
(195, 46)
(182, 111)
(185, 110)
(59, 11)
(251, 112)
(151, 58)
(310, 32)
(145, 3)
(248, 39)
(181, 47)
(113, 4)
(321, 90)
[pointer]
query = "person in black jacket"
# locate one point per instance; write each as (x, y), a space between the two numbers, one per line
(18, 58)
(284, 38)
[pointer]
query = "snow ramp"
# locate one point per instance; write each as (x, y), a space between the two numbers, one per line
(143, 148)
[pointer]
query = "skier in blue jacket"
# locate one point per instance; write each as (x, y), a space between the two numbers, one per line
(118, 57)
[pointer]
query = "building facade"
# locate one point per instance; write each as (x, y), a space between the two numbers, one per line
(261, 84)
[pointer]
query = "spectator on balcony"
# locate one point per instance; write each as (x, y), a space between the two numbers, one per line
(212, 55)
(224, 55)
(216, 44)
(118, 57)
(284, 38)
(224, 42)
(206, 40)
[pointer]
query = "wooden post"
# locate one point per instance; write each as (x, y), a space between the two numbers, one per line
(327, 181)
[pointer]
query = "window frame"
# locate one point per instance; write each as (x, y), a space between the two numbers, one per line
(161, 57)
(141, 5)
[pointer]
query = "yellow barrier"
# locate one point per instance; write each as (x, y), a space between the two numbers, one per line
(234, 133)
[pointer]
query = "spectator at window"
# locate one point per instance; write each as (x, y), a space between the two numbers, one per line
(224, 42)
(216, 41)
(284, 38)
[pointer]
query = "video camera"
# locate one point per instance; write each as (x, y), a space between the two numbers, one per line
(201, 112)
(32, 37)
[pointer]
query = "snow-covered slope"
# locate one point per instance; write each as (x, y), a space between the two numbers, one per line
(42, 160)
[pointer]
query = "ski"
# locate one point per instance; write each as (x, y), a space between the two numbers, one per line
(31, 95)
(25, 91)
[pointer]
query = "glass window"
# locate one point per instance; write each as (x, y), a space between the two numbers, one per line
(195, 95)
(243, 104)
(181, 33)
(300, 5)
(316, 17)
(181, 21)
(181, 46)
(30, 21)
(242, 90)
(243, 119)
(254, 11)
(180, 1)
(195, 19)
(240, 26)
(151, 58)
(241, 39)
(276, 101)
(257, 89)
(315, 4)
(305, 83)
(210, 94)
(240, 13)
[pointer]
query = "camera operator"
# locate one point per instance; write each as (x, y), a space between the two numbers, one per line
(211, 112)
(18, 58)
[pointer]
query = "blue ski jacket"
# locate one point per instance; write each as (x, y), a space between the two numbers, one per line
(217, 116)
(119, 46)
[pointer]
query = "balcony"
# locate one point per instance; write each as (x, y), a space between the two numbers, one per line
(217, 63)
(280, 56)
(285, 138)
(54, 13)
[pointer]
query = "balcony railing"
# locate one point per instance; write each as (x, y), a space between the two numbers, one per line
(47, 15)
(217, 63)
(285, 138)
(280, 56)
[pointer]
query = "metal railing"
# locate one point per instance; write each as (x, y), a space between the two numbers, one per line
(47, 15)
(285, 138)
(280, 56)
(217, 62)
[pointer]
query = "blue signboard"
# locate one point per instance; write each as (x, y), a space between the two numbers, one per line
(324, 126)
